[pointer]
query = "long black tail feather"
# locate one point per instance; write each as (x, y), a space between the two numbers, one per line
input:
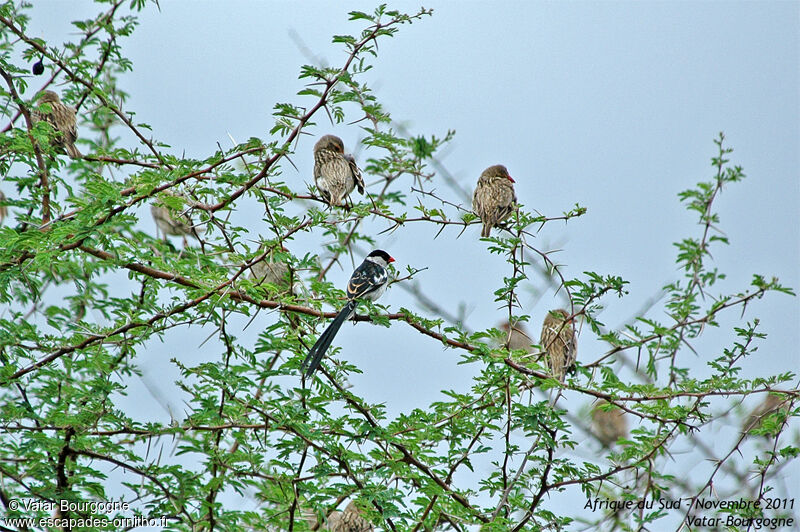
(315, 354)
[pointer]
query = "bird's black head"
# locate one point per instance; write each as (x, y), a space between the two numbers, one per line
(381, 255)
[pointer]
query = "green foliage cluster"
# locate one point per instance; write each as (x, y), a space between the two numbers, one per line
(85, 292)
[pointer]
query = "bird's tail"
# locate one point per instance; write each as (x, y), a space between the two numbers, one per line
(315, 354)
(486, 230)
(72, 151)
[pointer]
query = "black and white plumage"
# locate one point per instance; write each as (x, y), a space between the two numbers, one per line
(336, 173)
(494, 198)
(369, 282)
(62, 118)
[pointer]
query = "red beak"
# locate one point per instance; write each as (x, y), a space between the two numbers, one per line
(391, 259)
(511, 179)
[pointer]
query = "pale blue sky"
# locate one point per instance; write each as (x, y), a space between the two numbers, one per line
(613, 105)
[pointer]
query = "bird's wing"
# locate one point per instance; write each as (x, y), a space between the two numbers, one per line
(356, 172)
(367, 278)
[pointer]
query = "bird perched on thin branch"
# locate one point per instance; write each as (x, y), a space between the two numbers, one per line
(3, 208)
(494, 198)
(350, 520)
(770, 405)
(369, 282)
(62, 118)
(517, 337)
(172, 223)
(336, 173)
(558, 342)
(271, 272)
(609, 423)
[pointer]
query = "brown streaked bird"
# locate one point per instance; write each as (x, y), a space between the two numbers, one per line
(608, 425)
(770, 405)
(271, 272)
(558, 342)
(517, 337)
(494, 198)
(350, 520)
(3, 208)
(336, 173)
(62, 118)
(172, 223)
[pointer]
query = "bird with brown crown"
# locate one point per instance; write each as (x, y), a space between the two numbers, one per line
(336, 173)
(62, 118)
(558, 342)
(494, 198)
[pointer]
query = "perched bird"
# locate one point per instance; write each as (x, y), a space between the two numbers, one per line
(494, 197)
(517, 337)
(770, 405)
(169, 223)
(608, 425)
(335, 172)
(350, 520)
(3, 208)
(62, 118)
(368, 281)
(271, 272)
(558, 342)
